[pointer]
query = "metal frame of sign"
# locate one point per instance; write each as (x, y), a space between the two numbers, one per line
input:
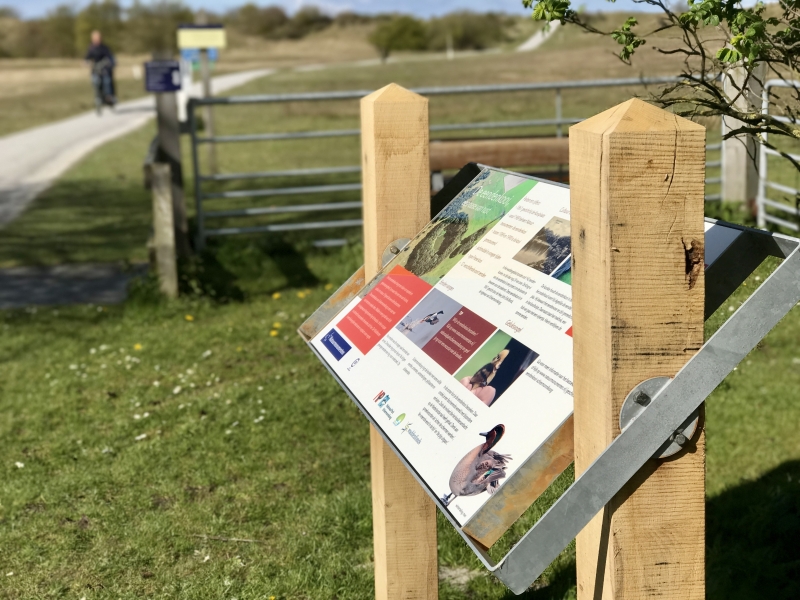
(670, 410)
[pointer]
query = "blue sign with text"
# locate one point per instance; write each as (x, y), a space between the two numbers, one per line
(162, 76)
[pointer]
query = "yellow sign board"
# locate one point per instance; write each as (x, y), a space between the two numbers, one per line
(201, 37)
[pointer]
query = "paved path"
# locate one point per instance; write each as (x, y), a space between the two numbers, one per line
(539, 38)
(65, 284)
(31, 160)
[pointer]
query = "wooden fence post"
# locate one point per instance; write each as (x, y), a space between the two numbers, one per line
(169, 142)
(396, 178)
(636, 175)
(164, 230)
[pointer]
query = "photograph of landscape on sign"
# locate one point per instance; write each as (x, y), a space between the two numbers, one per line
(549, 248)
(463, 222)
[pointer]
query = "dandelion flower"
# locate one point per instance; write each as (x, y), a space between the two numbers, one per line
(139, 438)
(273, 333)
(137, 347)
(276, 295)
(19, 465)
(189, 318)
(301, 295)
(238, 348)
(176, 389)
(276, 325)
(328, 286)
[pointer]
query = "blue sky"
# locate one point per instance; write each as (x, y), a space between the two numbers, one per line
(423, 8)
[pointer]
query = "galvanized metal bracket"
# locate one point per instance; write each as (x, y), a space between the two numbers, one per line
(393, 249)
(640, 398)
(651, 430)
(670, 410)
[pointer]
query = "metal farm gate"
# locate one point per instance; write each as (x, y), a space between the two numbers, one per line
(201, 181)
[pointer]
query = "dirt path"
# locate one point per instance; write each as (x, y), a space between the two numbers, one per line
(31, 160)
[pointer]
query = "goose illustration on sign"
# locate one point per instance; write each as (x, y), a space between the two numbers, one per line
(480, 470)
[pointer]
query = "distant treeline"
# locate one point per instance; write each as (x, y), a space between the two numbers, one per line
(147, 27)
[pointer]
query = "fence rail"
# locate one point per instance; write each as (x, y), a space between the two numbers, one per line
(764, 184)
(559, 121)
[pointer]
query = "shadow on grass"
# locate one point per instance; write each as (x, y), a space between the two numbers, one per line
(84, 220)
(753, 542)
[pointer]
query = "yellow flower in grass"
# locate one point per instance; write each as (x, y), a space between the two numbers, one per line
(273, 333)
(189, 318)
(276, 325)
(276, 295)
(328, 286)
(137, 346)
(301, 295)
(238, 348)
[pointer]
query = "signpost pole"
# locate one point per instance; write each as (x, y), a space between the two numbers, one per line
(164, 229)
(396, 196)
(170, 145)
(637, 184)
(208, 113)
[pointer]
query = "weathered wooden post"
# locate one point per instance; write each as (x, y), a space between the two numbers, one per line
(739, 153)
(396, 178)
(162, 77)
(637, 183)
(164, 230)
(169, 142)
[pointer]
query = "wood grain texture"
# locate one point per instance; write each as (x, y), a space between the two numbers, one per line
(164, 230)
(521, 152)
(396, 196)
(637, 183)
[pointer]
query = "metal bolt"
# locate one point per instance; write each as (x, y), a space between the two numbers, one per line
(642, 398)
(680, 439)
(394, 249)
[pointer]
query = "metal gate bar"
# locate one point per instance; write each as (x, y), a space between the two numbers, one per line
(202, 214)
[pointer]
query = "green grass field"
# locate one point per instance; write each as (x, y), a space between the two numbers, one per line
(196, 448)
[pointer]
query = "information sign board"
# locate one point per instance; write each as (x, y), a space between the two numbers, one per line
(201, 36)
(192, 55)
(460, 350)
(162, 76)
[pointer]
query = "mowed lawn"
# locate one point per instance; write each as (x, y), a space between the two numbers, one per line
(196, 449)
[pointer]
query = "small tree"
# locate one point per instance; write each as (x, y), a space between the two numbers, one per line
(151, 27)
(399, 33)
(106, 17)
(727, 50)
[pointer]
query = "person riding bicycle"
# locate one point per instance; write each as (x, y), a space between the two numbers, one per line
(100, 58)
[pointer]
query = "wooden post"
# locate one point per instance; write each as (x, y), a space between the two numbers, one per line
(169, 142)
(637, 175)
(164, 230)
(396, 177)
(739, 154)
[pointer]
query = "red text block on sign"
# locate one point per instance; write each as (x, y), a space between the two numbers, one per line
(382, 308)
(455, 343)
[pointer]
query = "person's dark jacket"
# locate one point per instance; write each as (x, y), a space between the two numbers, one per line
(98, 53)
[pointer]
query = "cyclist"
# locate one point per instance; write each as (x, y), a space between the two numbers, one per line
(102, 63)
